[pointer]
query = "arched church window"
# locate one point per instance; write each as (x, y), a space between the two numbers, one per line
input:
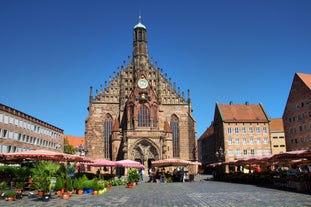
(144, 116)
(175, 132)
(107, 136)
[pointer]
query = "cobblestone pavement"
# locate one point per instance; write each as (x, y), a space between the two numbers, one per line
(205, 193)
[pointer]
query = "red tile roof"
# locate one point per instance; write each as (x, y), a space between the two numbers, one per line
(75, 141)
(242, 113)
(306, 78)
(276, 124)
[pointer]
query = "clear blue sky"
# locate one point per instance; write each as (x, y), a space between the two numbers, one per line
(52, 51)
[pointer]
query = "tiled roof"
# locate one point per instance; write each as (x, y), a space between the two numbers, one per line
(242, 113)
(276, 124)
(209, 131)
(75, 141)
(306, 78)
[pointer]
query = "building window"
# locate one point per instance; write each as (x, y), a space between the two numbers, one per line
(175, 132)
(229, 141)
(265, 140)
(251, 140)
(244, 141)
(229, 130)
(230, 152)
(267, 151)
(258, 141)
(144, 117)
(245, 151)
(237, 141)
(265, 131)
(251, 131)
(238, 152)
(257, 130)
(243, 130)
(259, 152)
(236, 130)
(252, 152)
(107, 136)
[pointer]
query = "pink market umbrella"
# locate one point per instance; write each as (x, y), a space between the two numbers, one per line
(102, 162)
(170, 162)
(129, 163)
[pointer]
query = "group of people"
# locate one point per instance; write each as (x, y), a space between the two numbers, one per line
(160, 176)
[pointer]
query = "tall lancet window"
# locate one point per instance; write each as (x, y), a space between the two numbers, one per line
(107, 136)
(175, 132)
(143, 117)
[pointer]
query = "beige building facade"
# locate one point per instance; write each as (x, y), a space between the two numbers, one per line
(278, 144)
(22, 132)
(140, 114)
(238, 131)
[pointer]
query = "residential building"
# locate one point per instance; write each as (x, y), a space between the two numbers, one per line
(140, 114)
(238, 131)
(277, 135)
(297, 114)
(22, 132)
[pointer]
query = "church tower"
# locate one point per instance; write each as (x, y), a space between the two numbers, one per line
(139, 115)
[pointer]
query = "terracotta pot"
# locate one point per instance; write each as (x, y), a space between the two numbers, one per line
(95, 192)
(59, 192)
(80, 192)
(40, 193)
(65, 196)
(130, 185)
(10, 199)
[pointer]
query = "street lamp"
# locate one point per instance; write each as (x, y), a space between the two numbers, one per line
(220, 154)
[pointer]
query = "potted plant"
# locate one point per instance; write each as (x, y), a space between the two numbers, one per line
(133, 176)
(96, 186)
(59, 185)
(42, 176)
(10, 195)
(69, 186)
(78, 185)
(3, 186)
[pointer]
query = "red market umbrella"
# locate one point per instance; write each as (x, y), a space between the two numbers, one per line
(170, 162)
(129, 163)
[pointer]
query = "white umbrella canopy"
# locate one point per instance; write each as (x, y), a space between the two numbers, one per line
(129, 163)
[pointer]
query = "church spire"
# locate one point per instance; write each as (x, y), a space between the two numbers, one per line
(140, 46)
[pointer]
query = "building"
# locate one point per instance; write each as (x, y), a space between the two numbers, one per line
(277, 135)
(238, 131)
(22, 132)
(140, 114)
(78, 143)
(297, 114)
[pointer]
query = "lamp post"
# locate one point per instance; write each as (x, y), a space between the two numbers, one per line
(220, 155)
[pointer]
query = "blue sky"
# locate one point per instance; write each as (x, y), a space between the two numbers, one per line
(52, 51)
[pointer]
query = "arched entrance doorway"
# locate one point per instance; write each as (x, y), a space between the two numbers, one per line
(145, 151)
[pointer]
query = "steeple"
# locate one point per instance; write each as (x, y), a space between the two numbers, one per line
(140, 47)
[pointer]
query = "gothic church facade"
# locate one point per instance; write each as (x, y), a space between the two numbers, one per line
(139, 114)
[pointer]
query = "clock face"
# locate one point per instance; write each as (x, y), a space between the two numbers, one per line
(142, 83)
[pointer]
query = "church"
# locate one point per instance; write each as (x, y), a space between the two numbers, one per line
(139, 114)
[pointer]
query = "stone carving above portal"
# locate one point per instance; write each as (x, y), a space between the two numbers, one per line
(144, 150)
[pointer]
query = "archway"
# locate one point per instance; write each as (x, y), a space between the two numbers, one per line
(145, 151)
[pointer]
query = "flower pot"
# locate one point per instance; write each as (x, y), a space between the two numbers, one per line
(40, 193)
(130, 185)
(95, 192)
(66, 196)
(10, 199)
(80, 192)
